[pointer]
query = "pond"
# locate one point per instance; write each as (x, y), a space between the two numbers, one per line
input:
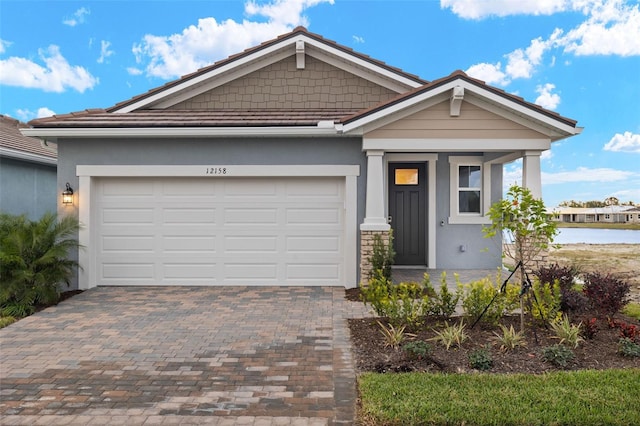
(597, 236)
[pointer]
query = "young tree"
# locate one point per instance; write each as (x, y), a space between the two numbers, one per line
(525, 225)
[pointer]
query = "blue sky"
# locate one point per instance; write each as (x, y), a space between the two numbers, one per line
(580, 58)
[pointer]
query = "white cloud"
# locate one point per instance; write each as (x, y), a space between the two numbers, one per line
(584, 174)
(474, 9)
(78, 17)
(628, 195)
(626, 142)
(26, 115)
(489, 73)
(134, 71)
(104, 51)
(199, 45)
(612, 28)
(56, 75)
(358, 39)
(546, 155)
(546, 99)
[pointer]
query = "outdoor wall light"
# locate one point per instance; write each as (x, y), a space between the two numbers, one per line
(67, 195)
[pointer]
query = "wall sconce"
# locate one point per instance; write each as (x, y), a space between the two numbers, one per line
(67, 195)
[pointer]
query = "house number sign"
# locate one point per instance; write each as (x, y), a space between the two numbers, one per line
(215, 171)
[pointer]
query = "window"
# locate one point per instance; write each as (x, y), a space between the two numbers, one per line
(469, 183)
(406, 177)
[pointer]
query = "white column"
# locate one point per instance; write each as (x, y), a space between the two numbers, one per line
(375, 219)
(531, 174)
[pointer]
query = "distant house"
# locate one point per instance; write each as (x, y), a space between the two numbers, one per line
(27, 172)
(633, 215)
(607, 214)
(280, 164)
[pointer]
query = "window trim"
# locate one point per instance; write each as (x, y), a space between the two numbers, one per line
(455, 217)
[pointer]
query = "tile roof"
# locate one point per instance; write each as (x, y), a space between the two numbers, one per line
(12, 139)
(99, 118)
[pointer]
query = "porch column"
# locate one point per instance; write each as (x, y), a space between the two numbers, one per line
(531, 174)
(375, 219)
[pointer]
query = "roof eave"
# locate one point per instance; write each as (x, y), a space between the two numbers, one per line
(322, 129)
(27, 156)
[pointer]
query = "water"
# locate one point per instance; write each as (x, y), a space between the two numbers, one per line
(597, 236)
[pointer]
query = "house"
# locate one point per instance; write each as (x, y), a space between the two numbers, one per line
(27, 172)
(606, 214)
(279, 164)
(633, 215)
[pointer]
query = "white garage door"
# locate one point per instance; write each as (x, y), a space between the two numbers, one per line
(225, 231)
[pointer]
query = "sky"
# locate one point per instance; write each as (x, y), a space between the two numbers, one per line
(580, 58)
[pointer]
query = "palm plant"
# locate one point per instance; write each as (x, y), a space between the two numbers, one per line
(33, 261)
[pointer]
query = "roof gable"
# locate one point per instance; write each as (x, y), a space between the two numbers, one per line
(299, 43)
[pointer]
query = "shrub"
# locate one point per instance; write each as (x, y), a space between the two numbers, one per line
(33, 261)
(607, 295)
(478, 295)
(544, 302)
(572, 300)
(510, 339)
(558, 355)
(451, 335)
(628, 348)
(481, 359)
(417, 349)
(442, 304)
(629, 331)
(590, 328)
(402, 304)
(565, 331)
(382, 257)
(5, 321)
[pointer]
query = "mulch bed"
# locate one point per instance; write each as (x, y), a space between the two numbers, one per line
(372, 355)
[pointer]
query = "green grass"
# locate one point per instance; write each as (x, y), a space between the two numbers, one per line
(599, 225)
(608, 397)
(632, 309)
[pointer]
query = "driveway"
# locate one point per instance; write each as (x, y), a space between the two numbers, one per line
(221, 355)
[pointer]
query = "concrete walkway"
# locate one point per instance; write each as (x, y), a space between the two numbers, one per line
(156, 356)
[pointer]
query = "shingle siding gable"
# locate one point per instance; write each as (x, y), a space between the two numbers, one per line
(282, 86)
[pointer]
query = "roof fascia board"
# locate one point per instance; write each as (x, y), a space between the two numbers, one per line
(26, 156)
(172, 132)
(220, 80)
(523, 115)
(455, 145)
(378, 76)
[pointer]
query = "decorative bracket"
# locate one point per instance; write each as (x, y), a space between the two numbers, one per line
(456, 101)
(300, 54)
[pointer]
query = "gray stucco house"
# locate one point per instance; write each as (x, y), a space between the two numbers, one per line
(277, 166)
(27, 172)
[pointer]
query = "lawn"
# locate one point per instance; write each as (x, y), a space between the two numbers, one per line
(609, 397)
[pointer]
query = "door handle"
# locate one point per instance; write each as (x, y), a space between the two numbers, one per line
(389, 219)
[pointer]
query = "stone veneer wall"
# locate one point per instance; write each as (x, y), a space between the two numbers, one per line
(282, 85)
(366, 251)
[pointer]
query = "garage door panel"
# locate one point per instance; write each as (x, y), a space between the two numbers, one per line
(222, 231)
(313, 244)
(188, 244)
(128, 243)
(130, 215)
(114, 272)
(250, 216)
(188, 216)
(236, 244)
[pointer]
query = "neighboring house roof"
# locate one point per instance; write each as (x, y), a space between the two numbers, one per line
(154, 109)
(593, 210)
(14, 145)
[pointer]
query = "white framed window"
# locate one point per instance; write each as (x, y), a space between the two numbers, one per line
(469, 188)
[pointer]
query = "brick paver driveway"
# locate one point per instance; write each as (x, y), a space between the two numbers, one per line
(242, 355)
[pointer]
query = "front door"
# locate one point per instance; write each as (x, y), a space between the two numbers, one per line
(407, 211)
